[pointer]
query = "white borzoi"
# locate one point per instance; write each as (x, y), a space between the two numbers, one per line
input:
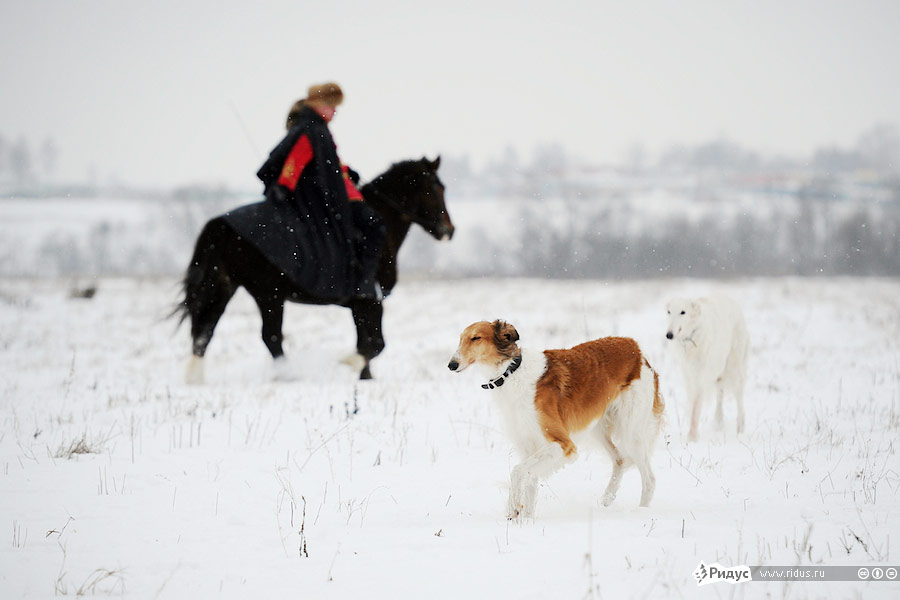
(604, 390)
(710, 338)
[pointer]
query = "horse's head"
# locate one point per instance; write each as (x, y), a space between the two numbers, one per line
(413, 190)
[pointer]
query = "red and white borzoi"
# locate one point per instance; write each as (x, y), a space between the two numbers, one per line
(604, 390)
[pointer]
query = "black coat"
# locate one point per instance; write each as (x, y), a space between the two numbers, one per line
(307, 232)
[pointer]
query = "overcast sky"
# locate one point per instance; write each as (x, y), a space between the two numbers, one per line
(169, 93)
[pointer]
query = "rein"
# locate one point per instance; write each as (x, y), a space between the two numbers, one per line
(495, 383)
(389, 201)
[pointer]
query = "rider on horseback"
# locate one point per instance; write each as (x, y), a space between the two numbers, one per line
(305, 179)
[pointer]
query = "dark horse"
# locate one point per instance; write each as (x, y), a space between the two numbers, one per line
(409, 192)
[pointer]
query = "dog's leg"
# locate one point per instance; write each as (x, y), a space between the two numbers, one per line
(739, 395)
(619, 464)
(522, 492)
(615, 480)
(525, 476)
(720, 397)
(696, 400)
(514, 504)
(648, 479)
(528, 498)
(552, 456)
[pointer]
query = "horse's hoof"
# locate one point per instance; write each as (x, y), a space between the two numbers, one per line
(194, 374)
(366, 373)
(355, 361)
(282, 371)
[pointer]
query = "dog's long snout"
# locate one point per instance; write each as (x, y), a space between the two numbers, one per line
(454, 364)
(669, 335)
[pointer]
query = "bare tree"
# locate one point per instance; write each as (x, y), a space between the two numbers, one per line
(880, 148)
(49, 157)
(4, 155)
(20, 161)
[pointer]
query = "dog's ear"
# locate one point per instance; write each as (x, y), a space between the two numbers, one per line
(505, 335)
(695, 307)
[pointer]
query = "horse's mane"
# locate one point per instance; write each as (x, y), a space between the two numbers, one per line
(396, 173)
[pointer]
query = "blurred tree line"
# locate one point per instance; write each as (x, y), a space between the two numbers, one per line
(621, 240)
(711, 210)
(725, 212)
(24, 165)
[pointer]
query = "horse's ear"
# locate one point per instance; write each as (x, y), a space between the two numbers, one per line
(433, 165)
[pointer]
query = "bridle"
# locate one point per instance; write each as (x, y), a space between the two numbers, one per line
(392, 203)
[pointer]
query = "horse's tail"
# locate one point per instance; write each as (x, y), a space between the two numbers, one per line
(205, 273)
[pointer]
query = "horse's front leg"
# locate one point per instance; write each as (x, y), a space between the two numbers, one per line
(271, 309)
(367, 316)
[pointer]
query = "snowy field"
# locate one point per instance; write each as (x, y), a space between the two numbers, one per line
(118, 479)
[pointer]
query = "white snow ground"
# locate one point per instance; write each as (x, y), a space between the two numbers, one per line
(250, 488)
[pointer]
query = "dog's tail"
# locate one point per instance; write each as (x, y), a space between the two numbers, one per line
(659, 404)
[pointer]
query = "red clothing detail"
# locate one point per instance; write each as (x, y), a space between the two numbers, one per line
(352, 192)
(298, 158)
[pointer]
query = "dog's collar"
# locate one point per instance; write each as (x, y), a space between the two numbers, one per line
(690, 338)
(495, 383)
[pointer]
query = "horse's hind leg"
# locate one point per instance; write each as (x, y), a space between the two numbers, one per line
(203, 325)
(208, 286)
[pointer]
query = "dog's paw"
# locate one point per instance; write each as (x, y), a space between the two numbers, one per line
(521, 515)
(608, 499)
(515, 508)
